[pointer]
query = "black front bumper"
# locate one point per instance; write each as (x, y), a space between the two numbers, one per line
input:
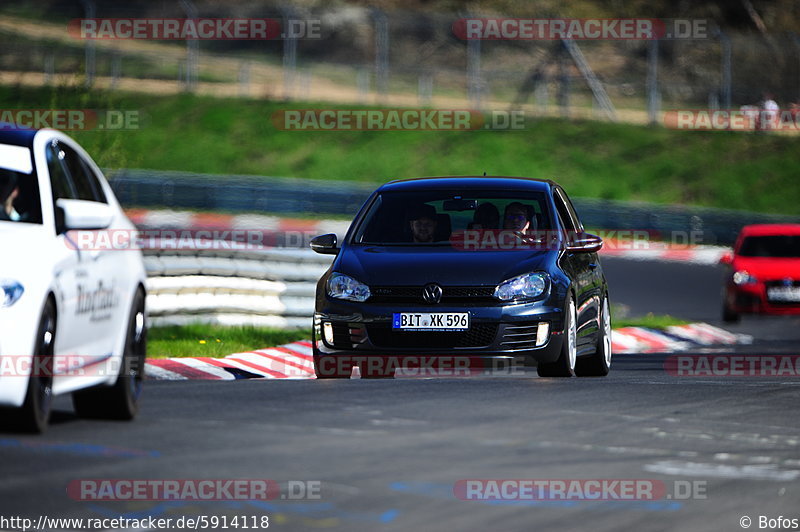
(509, 330)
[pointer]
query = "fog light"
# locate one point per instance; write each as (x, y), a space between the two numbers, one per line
(327, 332)
(541, 333)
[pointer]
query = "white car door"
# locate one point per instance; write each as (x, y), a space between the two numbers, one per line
(88, 297)
(109, 300)
(66, 262)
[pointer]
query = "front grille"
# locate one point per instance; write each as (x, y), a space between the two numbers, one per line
(478, 335)
(520, 335)
(774, 284)
(795, 284)
(450, 294)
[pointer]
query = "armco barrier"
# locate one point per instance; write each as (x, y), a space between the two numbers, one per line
(280, 195)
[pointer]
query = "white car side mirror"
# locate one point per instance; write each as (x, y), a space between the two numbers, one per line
(86, 215)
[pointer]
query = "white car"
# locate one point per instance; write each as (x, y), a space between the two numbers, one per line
(72, 314)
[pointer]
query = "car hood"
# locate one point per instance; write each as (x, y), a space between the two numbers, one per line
(768, 268)
(413, 266)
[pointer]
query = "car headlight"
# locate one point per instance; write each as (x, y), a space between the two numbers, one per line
(12, 291)
(527, 286)
(341, 286)
(742, 277)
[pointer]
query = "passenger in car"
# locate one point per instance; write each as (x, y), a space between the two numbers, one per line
(487, 216)
(517, 217)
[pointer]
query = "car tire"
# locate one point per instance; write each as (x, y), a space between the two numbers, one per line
(599, 363)
(120, 401)
(564, 366)
(34, 414)
(336, 373)
(729, 316)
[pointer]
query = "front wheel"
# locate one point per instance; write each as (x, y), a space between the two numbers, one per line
(34, 414)
(729, 316)
(120, 401)
(598, 364)
(564, 366)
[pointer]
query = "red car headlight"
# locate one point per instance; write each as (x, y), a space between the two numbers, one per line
(743, 278)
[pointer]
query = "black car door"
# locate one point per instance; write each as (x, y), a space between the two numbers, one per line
(585, 272)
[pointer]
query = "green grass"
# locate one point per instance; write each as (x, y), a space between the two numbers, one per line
(199, 340)
(620, 318)
(592, 159)
(650, 321)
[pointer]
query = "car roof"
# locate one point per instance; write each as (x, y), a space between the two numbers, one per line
(770, 229)
(478, 182)
(16, 136)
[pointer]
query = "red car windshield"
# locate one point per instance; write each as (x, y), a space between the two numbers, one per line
(775, 246)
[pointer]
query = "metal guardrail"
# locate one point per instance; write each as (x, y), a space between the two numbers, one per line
(674, 223)
(150, 188)
(237, 193)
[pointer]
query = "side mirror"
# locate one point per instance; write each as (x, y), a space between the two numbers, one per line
(325, 244)
(584, 243)
(726, 259)
(84, 215)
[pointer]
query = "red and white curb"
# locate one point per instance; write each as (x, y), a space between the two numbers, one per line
(294, 361)
(630, 340)
(665, 252)
(290, 361)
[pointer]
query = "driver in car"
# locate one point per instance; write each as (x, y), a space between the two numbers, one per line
(423, 223)
(8, 193)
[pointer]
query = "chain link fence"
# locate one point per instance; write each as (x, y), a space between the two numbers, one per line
(371, 56)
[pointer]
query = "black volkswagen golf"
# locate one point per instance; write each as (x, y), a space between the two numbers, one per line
(475, 268)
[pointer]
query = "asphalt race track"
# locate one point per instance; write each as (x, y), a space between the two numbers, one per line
(388, 453)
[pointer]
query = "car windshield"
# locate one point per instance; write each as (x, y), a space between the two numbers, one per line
(777, 246)
(19, 187)
(437, 217)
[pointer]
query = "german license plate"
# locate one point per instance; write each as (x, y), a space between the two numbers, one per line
(430, 321)
(788, 293)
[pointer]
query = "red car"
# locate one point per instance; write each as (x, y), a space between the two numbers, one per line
(763, 274)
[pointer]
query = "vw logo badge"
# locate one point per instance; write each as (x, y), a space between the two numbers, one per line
(432, 293)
